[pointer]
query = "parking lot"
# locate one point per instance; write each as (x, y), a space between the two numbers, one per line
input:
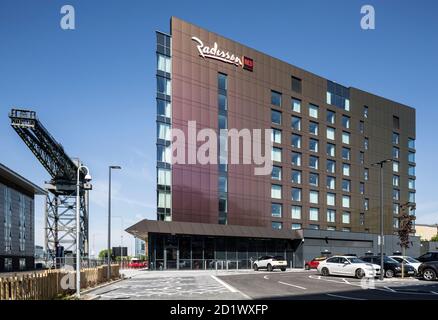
(292, 284)
(311, 285)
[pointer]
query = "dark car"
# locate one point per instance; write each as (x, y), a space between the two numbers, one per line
(428, 270)
(429, 256)
(391, 267)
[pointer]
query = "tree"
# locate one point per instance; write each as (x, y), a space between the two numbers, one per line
(434, 238)
(405, 228)
(103, 254)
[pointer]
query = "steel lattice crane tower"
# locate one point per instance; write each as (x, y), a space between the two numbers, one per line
(60, 213)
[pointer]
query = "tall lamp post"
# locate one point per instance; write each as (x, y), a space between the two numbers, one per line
(78, 226)
(109, 219)
(380, 164)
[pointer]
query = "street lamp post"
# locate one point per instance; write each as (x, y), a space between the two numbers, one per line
(109, 219)
(78, 226)
(380, 164)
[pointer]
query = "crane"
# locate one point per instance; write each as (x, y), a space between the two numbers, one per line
(60, 209)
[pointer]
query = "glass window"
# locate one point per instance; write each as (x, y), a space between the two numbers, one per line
(296, 141)
(276, 191)
(276, 98)
(331, 199)
(296, 105)
(330, 133)
(223, 122)
(346, 185)
(313, 128)
(395, 138)
(296, 123)
(365, 112)
(296, 84)
(163, 86)
(366, 143)
(411, 143)
(222, 82)
(314, 226)
(411, 196)
(277, 225)
(296, 226)
(331, 215)
(276, 173)
(331, 149)
(395, 208)
(366, 174)
(276, 154)
(346, 153)
(223, 184)
(331, 228)
(313, 162)
(313, 214)
(276, 210)
(395, 153)
(163, 131)
(313, 145)
(164, 154)
(411, 170)
(313, 197)
(361, 157)
(296, 194)
(362, 219)
(346, 229)
(164, 108)
(395, 194)
(331, 166)
(395, 166)
(276, 135)
(346, 201)
(361, 127)
(164, 63)
(345, 137)
(331, 183)
(346, 122)
(222, 102)
(411, 184)
(164, 177)
(395, 223)
(346, 217)
(296, 212)
(296, 159)
(296, 176)
(331, 117)
(366, 204)
(313, 111)
(275, 116)
(362, 188)
(164, 199)
(395, 181)
(346, 169)
(313, 179)
(411, 156)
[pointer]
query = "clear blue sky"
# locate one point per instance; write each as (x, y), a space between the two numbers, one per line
(93, 87)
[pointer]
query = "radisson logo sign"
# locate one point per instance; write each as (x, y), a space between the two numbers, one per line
(222, 55)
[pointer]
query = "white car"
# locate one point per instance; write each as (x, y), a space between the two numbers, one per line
(270, 263)
(407, 261)
(348, 266)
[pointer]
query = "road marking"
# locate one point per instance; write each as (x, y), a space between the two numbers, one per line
(231, 288)
(433, 292)
(390, 289)
(343, 297)
(292, 285)
(266, 277)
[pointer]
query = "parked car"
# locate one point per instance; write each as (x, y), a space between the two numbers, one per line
(270, 263)
(428, 270)
(429, 256)
(313, 264)
(348, 266)
(391, 267)
(137, 263)
(407, 261)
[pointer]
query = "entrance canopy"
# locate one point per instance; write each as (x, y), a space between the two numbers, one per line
(142, 228)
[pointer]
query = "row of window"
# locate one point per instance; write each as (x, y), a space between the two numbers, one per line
(313, 112)
(296, 226)
(313, 214)
(276, 193)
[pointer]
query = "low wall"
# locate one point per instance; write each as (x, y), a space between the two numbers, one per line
(50, 284)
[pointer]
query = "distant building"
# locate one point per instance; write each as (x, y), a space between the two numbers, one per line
(426, 231)
(17, 212)
(139, 247)
(39, 252)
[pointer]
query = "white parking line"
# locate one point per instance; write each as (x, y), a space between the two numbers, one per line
(229, 287)
(343, 297)
(266, 277)
(390, 289)
(292, 285)
(433, 292)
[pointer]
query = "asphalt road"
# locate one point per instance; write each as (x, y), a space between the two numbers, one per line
(311, 285)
